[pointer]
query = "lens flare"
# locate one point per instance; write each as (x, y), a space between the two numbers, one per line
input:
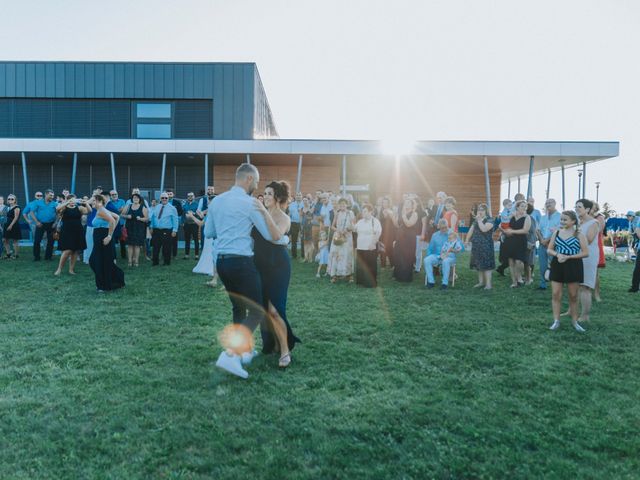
(236, 338)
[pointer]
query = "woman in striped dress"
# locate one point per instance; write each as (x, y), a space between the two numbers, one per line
(567, 247)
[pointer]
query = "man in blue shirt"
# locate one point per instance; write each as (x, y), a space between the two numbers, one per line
(229, 221)
(546, 227)
(295, 213)
(177, 204)
(190, 209)
(27, 210)
(434, 258)
(43, 214)
(164, 228)
(116, 205)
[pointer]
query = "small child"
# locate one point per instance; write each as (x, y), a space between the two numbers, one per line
(451, 246)
(323, 255)
(505, 215)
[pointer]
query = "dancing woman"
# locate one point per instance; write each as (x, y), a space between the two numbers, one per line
(108, 275)
(72, 237)
(274, 266)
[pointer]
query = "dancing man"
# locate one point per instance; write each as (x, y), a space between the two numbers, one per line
(230, 219)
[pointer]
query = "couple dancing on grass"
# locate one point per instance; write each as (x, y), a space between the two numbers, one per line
(253, 263)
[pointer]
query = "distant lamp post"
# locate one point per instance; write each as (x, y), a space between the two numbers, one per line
(597, 192)
(579, 183)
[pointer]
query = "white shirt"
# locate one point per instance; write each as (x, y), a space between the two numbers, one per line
(369, 232)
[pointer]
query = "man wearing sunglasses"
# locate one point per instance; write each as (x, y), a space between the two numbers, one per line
(27, 210)
(164, 228)
(43, 215)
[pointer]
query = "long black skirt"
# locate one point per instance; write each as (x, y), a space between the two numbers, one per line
(367, 268)
(101, 261)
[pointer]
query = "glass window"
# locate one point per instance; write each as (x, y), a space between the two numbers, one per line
(153, 110)
(153, 130)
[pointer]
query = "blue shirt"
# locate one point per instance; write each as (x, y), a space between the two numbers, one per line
(536, 215)
(44, 212)
(189, 207)
(117, 205)
(29, 208)
(438, 240)
(294, 211)
(168, 219)
(549, 224)
(231, 217)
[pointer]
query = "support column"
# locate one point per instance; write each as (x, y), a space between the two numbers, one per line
(206, 172)
(548, 183)
(487, 185)
(299, 177)
(26, 179)
(518, 184)
(164, 167)
(509, 189)
(113, 172)
(344, 175)
(73, 173)
(584, 179)
(249, 158)
(530, 184)
(563, 206)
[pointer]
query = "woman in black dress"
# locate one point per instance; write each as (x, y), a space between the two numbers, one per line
(404, 252)
(483, 257)
(515, 243)
(137, 217)
(108, 275)
(388, 232)
(274, 265)
(12, 228)
(72, 236)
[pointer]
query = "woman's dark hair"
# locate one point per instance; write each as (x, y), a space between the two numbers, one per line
(139, 198)
(450, 200)
(280, 191)
(572, 215)
(483, 206)
(70, 196)
(368, 206)
(586, 203)
(98, 197)
(529, 209)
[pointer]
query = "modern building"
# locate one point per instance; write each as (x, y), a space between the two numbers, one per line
(188, 125)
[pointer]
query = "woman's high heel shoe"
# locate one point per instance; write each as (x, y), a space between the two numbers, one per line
(285, 360)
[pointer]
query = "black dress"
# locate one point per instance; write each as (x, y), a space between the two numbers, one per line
(72, 236)
(101, 261)
(404, 252)
(274, 266)
(515, 246)
(14, 233)
(136, 230)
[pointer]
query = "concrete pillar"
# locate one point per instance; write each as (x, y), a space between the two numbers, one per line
(73, 173)
(164, 167)
(113, 172)
(25, 178)
(299, 176)
(530, 183)
(487, 185)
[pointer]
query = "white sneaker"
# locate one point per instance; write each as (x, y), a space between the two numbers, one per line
(246, 357)
(231, 364)
(555, 325)
(578, 328)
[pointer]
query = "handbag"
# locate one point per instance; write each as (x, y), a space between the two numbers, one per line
(340, 238)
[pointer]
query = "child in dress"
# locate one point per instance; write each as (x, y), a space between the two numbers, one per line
(323, 255)
(451, 246)
(505, 215)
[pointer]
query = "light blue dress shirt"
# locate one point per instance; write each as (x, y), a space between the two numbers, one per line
(231, 217)
(45, 212)
(119, 204)
(294, 211)
(549, 224)
(169, 218)
(438, 240)
(536, 215)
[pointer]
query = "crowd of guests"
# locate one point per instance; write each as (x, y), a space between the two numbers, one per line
(347, 239)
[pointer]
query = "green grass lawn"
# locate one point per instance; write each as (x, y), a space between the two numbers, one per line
(398, 382)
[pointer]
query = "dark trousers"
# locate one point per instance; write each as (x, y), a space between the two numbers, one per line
(295, 233)
(40, 231)
(635, 281)
(244, 287)
(191, 231)
(161, 239)
(174, 245)
(367, 268)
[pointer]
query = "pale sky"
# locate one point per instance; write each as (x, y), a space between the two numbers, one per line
(422, 69)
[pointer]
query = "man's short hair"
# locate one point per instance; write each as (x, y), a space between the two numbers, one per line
(48, 190)
(246, 169)
(442, 223)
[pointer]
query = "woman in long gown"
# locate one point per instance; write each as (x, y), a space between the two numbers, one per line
(108, 275)
(207, 263)
(72, 237)
(341, 251)
(388, 232)
(274, 266)
(404, 251)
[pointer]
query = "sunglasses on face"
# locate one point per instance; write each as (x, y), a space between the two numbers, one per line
(164, 198)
